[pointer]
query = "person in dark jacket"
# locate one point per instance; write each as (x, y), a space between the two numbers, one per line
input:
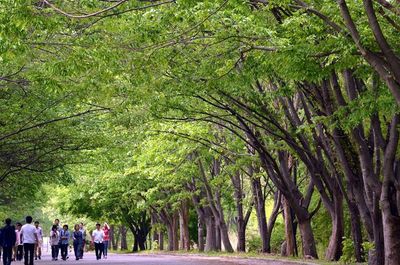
(8, 239)
(78, 241)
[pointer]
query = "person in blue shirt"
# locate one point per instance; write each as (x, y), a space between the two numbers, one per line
(64, 237)
(78, 241)
(7, 241)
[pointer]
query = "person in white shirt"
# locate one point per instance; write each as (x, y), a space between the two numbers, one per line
(98, 238)
(29, 239)
(38, 245)
(19, 247)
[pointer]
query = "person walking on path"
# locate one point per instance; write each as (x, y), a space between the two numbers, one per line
(19, 248)
(98, 238)
(83, 231)
(7, 240)
(38, 246)
(59, 229)
(54, 241)
(106, 230)
(77, 241)
(29, 239)
(64, 236)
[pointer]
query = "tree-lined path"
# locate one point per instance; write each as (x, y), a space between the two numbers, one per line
(125, 259)
(262, 126)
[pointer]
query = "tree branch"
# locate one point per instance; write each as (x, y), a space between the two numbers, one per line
(87, 15)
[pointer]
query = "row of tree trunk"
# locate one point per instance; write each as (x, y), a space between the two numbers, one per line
(118, 238)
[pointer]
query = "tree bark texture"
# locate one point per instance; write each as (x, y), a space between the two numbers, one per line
(184, 226)
(289, 233)
(123, 232)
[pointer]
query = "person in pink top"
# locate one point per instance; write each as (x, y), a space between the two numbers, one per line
(106, 231)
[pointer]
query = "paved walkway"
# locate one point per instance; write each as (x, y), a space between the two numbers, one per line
(135, 259)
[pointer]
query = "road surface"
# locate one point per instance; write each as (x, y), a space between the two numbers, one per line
(132, 259)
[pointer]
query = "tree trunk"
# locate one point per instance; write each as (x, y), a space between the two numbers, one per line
(356, 231)
(211, 244)
(153, 230)
(161, 238)
(218, 244)
(111, 235)
(241, 225)
(391, 232)
(259, 203)
(307, 238)
(241, 232)
(184, 226)
(289, 233)
(391, 224)
(141, 238)
(334, 250)
(173, 239)
(123, 232)
(176, 230)
(377, 255)
(214, 200)
(135, 247)
(150, 241)
(117, 238)
(200, 236)
(225, 237)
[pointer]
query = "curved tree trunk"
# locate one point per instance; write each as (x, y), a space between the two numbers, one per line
(225, 237)
(259, 203)
(214, 201)
(334, 250)
(307, 238)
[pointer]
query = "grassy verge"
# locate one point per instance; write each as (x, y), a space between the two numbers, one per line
(247, 255)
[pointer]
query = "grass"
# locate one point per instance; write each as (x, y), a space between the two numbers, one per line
(247, 255)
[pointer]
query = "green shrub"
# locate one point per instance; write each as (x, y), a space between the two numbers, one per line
(277, 237)
(367, 246)
(155, 245)
(348, 251)
(254, 244)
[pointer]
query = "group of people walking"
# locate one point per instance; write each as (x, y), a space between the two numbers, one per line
(22, 240)
(26, 241)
